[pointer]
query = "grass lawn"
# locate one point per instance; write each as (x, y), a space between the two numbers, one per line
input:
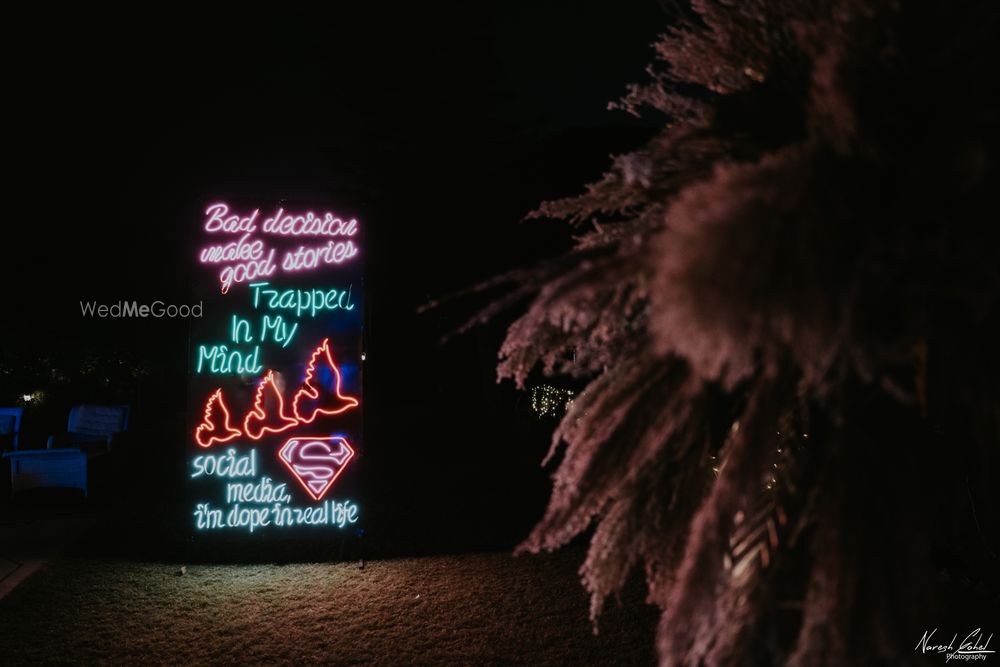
(488, 609)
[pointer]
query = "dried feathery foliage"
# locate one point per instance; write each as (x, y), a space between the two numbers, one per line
(787, 305)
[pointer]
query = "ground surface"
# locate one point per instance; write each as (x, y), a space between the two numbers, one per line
(487, 609)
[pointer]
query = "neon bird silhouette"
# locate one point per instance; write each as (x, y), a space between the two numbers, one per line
(260, 421)
(310, 392)
(205, 435)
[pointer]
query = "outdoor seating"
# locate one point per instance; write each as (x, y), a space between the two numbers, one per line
(47, 468)
(10, 428)
(92, 431)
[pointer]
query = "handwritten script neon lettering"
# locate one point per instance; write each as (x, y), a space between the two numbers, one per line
(249, 257)
(301, 301)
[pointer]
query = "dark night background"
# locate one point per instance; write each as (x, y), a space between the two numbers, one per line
(442, 126)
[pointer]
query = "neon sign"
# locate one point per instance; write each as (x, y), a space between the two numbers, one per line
(220, 359)
(228, 465)
(309, 225)
(276, 372)
(328, 513)
(210, 430)
(310, 392)
(316, 462)
(249, 257)
(268, 413)
(301, 301)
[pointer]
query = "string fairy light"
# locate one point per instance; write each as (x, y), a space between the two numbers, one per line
(547, 400)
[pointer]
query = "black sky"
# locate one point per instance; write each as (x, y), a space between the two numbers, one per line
(456, 118)
(439, 124)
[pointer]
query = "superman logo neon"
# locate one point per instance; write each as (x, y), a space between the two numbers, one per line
(316, 461)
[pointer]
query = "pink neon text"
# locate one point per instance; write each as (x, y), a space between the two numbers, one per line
(219, 220)
(334, 252)
(309, 224)
(240, 250)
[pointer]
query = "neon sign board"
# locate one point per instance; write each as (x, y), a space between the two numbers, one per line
(275, 371)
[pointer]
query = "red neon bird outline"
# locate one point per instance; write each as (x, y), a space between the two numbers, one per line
(208, 423)
(310, 391)
(258, 415)
(253, 424)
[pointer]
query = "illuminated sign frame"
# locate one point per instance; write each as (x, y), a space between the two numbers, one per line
(275, 372)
